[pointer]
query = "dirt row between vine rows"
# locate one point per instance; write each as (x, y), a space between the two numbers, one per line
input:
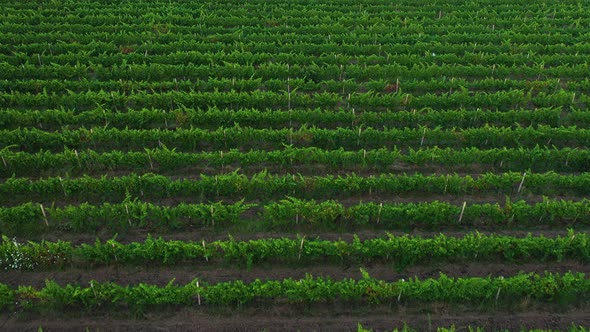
(329, 317)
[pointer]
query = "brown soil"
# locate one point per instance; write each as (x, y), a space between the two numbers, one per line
(320, 318)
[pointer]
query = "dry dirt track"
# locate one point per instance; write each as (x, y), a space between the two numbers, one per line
(326, 318)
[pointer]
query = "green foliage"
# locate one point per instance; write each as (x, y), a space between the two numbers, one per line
(309, 290)
(266, 187)
(109, 110)
(402, 251)
(23, 220)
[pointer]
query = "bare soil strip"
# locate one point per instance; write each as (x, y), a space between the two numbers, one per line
(325, 318)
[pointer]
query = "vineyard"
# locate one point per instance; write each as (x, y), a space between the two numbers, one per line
(289, 165)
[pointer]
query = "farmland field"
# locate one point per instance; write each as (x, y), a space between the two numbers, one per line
(294, 165)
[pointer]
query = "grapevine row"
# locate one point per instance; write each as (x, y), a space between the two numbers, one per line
(196, 139)
(255, 38)
(425, 70)
(212, 118)
(220, 17)
(402, 251)
(155, 53)
(74, 162)
(263, 186)
(568, 289)
(343, 85)
(30, 219)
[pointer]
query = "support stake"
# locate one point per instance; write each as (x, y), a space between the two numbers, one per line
(521, 182)
(44, 215)
(206, 257)
(212, 216)
(61, 181)
(462, 211)
(128, 217)
(301, 247)
(423, 136)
